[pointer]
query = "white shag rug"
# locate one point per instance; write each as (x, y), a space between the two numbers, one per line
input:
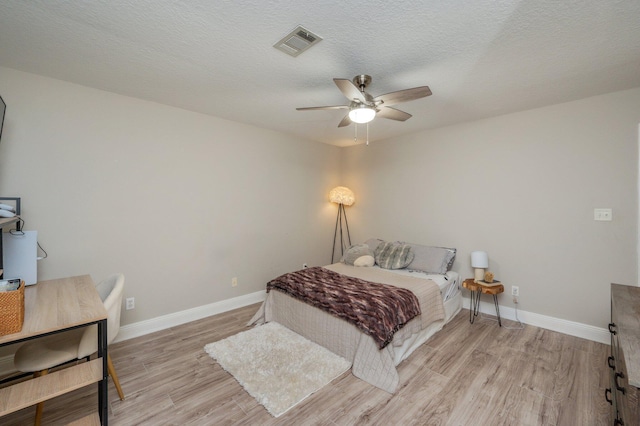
(276, 366)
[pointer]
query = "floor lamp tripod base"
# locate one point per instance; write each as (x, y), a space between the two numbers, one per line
(342, 216)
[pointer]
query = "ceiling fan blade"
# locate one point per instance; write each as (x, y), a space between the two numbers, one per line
(393, 114)
(323, 107)
(345, 121)
(403, 95)
(349, 89)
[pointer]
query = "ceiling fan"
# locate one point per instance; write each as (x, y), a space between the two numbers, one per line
(363, 107)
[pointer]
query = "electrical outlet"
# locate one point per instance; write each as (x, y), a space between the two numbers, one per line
(304, 266)
(130, 303)
(515, 290)
(234, 282)
(603, 214)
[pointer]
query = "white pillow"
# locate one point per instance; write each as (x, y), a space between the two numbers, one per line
(366, 260)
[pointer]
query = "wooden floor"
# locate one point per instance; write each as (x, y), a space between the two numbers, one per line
(466, 374)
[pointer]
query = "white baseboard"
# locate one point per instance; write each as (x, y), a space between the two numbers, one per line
(571, 328)
(163, 322)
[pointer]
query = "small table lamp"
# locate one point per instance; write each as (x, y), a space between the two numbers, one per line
(479, 261)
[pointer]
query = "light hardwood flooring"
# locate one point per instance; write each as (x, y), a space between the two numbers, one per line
(467, 374)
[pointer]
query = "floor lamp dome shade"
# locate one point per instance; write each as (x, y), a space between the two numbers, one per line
(342, 195)
(480, 262)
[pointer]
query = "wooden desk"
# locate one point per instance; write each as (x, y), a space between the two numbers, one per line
(476, 289)
(52, 307)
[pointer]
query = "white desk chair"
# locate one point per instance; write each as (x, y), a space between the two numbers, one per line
(40, 355)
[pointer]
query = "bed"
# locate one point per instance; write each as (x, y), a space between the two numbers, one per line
(438, 294)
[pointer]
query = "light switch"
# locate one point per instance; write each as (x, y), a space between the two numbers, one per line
(602, 214)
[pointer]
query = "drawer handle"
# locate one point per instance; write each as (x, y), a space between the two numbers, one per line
(609, 362)
(612, 325)
(620, 388)
(607, 394)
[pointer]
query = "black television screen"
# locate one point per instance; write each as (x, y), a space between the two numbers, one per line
(3, 108)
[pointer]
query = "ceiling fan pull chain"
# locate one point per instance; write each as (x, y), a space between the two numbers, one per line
(355, 137)
(367, 134)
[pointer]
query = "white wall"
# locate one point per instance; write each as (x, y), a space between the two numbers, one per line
(182, 202)
(521, 187)
(179, 202)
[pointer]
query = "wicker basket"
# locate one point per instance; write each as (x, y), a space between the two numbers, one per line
(11, 310)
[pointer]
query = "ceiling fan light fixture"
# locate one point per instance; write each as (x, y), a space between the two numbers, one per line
(362, 114)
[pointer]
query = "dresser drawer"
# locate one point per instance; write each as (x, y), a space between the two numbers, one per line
(623, 358)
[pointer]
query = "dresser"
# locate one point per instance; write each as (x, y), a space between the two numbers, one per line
(624, 357)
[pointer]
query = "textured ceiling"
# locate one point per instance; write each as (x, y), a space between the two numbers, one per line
(479, 57)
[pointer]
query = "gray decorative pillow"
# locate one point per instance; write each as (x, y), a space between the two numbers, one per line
(373, 243)
(358, 255)
(393, 255)
(452, 254)
(432, 260)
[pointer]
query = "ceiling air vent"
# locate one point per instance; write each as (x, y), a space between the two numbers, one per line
(297, 41)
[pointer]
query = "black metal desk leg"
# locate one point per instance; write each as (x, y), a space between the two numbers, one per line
(495, 301)
(103, 385)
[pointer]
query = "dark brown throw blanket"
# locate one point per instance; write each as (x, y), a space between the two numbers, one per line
(378, 310)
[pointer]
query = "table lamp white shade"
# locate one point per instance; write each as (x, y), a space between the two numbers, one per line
(479, 261)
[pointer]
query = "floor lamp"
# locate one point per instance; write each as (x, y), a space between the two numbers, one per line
(342, 196)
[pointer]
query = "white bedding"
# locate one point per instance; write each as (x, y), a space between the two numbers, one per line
(449, 283)
(370, 364)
